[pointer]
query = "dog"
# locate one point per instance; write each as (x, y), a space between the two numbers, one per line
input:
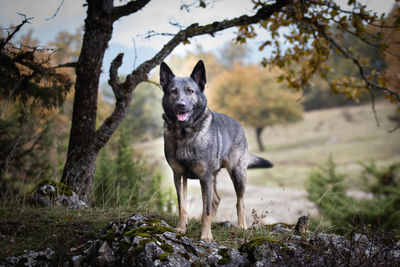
(199, 142)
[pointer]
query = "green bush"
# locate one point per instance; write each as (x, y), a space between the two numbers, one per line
(327, 189)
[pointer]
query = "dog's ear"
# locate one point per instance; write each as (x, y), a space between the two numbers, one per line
(166, 74)
(199, 74)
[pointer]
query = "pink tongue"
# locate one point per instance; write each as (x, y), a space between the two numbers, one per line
(182, 116)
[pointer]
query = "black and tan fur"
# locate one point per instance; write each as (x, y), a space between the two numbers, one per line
(199, 142)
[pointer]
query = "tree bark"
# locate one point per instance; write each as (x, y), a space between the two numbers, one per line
(259, 140)
(85, 142)
(79, 167)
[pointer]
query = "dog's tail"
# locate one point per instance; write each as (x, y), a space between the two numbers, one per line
(257, 162)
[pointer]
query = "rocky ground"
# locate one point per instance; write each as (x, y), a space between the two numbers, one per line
(144, 241)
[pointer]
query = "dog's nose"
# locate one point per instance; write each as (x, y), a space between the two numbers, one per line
(181, 104)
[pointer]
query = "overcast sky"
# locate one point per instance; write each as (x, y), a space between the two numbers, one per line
(155, 16)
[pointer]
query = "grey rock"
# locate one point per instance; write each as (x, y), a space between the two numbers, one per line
(31, 258)
(227, 224)
(46, 195)
(279, 228)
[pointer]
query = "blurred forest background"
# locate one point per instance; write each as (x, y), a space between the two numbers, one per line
(319, 141)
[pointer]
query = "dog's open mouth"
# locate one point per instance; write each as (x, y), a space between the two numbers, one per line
(182, 116)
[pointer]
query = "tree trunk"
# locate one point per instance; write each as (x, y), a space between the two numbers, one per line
(258, 136)
(79, 167)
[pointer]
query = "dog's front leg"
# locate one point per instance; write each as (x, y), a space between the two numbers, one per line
(207, 195)
(181, 191)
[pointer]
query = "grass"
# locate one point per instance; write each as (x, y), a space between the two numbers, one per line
(67, 231)
(61, 229)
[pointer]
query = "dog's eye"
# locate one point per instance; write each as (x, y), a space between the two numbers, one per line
(190, 91)
(174, 91)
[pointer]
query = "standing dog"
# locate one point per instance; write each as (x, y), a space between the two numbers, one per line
(198, 143)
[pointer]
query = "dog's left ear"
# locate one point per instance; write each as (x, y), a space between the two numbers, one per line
(166, 74)
(199, 74)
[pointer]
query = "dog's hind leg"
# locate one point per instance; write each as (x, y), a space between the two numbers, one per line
(181, 191)
(216, 199)
(239, 176)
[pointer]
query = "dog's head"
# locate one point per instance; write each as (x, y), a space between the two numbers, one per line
(183, 101)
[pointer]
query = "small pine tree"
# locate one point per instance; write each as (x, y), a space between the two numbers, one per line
(384, 183)
(327, 189)
(123, 181)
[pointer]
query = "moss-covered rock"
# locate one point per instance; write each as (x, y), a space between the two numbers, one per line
(149, 230)
(49, 192)
(60, 188)
(225, 256)
(261, 247)
(109, 236)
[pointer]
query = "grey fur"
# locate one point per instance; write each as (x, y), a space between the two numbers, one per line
(198, 143)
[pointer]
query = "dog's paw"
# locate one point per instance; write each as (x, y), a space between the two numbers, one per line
(242, 226)
(207, 237)
(181, 230)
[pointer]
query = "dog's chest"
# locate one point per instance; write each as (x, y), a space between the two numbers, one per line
(191, 158)
(190, 149)
(189, 154)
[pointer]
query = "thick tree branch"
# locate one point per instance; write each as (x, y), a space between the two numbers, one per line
(129, 8)
(195, 30)
(123, 97)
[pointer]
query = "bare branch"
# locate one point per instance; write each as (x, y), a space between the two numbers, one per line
(135, 51)
(152, 33)
(129, 8)
(58, 9)
(17, 29)
(154, 83)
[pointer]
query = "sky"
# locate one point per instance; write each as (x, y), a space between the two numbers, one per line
(129, 31)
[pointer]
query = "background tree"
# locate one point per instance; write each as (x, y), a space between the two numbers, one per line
(253, 96)
(390, 39)
(233, 52)
(31, 90)
(319, 94)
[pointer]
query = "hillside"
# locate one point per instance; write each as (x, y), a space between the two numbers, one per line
(349, 134)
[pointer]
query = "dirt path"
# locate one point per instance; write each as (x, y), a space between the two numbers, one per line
(279, 204)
